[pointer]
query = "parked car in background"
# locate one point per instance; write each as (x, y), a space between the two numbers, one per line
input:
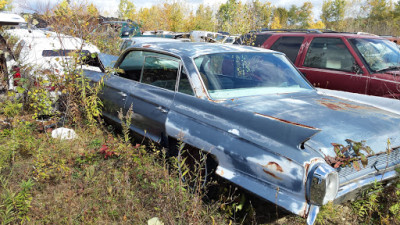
(7, 19)
(205, 36)
(230, 39)
(138, 41)
(392, 38)
(10, 19)
(42, 52)
(262, 124)
(124, 28)
(366, 64)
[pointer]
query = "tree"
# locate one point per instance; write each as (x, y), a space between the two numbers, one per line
(204, 19)
(305, 15)
(259, 14)
(227, 14)
(172, 15)
(333, 12)
(276, 23)
(5, 5)
(283, 15)
(300, 17)
(126, 10)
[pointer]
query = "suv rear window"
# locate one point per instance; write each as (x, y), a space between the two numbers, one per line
(288, 45)
(256, 40)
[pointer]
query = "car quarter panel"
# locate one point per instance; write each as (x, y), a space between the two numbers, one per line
(258, 153)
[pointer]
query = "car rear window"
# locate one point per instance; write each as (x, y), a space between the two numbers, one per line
(288, 45)
(230, 75)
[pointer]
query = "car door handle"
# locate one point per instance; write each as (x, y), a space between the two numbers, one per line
(162, 109)
(123, 94)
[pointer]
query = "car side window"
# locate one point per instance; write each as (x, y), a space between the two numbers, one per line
(288, 45)
(131, 66)
(329, 53)
(184, 84)
(160, 71)
(256, 40)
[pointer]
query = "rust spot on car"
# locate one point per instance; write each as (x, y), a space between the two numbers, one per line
(274, 166)
(285, 121)
(305, 210)
(271, 174)
(338, 105)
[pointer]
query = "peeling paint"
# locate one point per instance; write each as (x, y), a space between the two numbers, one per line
(340, 106)
(223, 172)
(234, 131)
(285, 121)
(271, 174)
(274, 166)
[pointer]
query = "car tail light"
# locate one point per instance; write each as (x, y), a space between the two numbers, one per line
(323, 185)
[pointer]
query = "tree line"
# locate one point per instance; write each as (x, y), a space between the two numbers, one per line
(373, 16)
(380, 17)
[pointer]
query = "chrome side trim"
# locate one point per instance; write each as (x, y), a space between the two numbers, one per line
(350, 191)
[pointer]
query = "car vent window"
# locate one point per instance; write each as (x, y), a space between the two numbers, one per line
(131, 65)
(329, 53)
(160, 72)
(184, 84)
(288, 45)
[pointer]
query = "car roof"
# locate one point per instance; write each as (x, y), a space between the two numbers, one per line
(52, 40)
(194, 49)
(10, 19)
(323, 34)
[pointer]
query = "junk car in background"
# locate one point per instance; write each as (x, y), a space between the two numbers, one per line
(42, 53)
(268, 130)
(355, 62)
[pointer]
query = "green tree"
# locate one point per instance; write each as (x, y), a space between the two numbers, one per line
(126, 10)
(305, 15)
(172, 15)
(259, 14)
(227, 14)
(204, 19)
(282, 14)
(333, 12)
(5, 5)
(300, 17)
(293, 18)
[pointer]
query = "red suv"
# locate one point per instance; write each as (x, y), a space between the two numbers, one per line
(361, 63)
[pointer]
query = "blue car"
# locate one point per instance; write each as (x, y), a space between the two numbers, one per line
(268, 129)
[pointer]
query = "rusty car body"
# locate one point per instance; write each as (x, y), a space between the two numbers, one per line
(268, 129)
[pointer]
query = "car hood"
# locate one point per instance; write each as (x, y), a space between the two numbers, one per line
(337, 118)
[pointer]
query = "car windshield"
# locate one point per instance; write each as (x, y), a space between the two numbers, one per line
(231, 75)
(380, 55)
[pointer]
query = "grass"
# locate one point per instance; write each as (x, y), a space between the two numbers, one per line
(103, 177)
(72, 182)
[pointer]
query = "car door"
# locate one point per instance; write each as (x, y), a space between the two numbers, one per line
(328, 63)
(120, 84)
(152, 97)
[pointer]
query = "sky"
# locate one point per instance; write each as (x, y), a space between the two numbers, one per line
(110, 7)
